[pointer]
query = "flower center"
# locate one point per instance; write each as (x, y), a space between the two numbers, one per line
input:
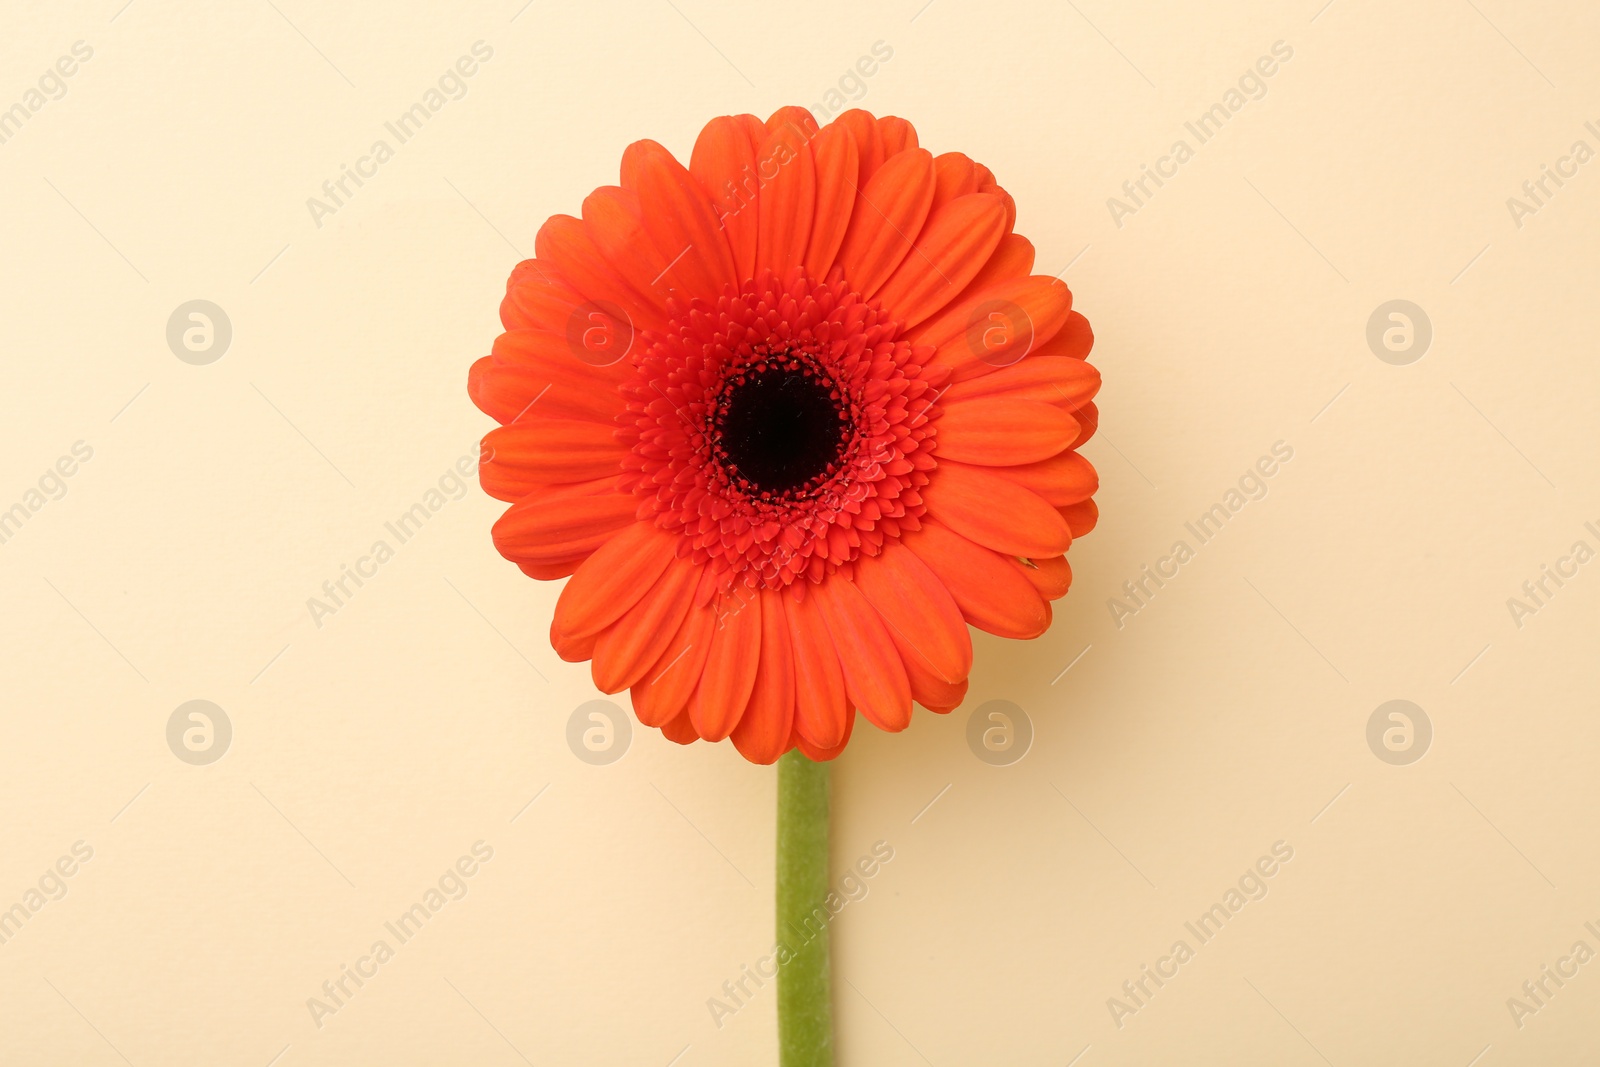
(782, 432)
(779, 426)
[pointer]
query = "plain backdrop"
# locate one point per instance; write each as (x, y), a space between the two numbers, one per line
(1172, 747)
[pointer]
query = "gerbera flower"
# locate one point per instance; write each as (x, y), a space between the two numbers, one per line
(790, 418)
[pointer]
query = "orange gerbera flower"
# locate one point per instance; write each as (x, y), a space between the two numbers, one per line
(791, 419)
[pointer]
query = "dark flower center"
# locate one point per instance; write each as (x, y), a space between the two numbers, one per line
(779, 426)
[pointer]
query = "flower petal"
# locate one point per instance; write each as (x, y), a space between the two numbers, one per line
(680, 730)
(953, 246)
(820, 706)
(818, 754)
(561, 386)
(629, 647)
(996, 513)
(886, 219)
(678, 217)
(1088, 418)
(1048, 379)
(987, 184)
(1074, 341)
(572, 649)
(921, 615)
(1001, 432)
(554, 526)
(996, 327)
(992, 594)
(763, 732)
(1081, 517)
(800, 119)
(1063, 479)
(1052, 577)
(568, 353)
(928, 689)
(837, 162)
(614, 220)
(864, 132)
(898, 135)
(954, 176)
(724, 163)
(1005, 324)
(613, 579)
(788, 199)
(664, 690)
(549, 572)
(540, 451)
(874, 677)
(730, 671)
(1012, 259)
(565, 242)
(537, 298)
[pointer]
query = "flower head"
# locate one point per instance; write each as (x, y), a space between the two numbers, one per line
(790, 418)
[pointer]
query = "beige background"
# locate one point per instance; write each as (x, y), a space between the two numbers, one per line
(372, 752)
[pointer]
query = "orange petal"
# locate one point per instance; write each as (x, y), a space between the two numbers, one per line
(819, 754)
(991, 593)
(541, 451)
(794, 117)
(1012, 259)
(996, 327)
(569, 356)
(1003, 325)
(788, 199)
(954, 244)
(954, 175)
(629, 647)
(1063, 479)
(549, 572)
(613, 579)
(874, 676)
(864, 132)
(1074, 341)
(763, 731)
(537, 298)
(837, 163)
(680, 730)
(724, 163)
(664, 690)
(1081, 517)
(614, 220)
(730, 671)
(820, 705)
(898, 135)
(565, 242)
(508, 391)
(1052, 577)
(987, 184)
(1048, 379)
(886, 219)
(927, 688)
(679, 219)
(921, 615)
(755, 131)
(981, 505)
(553, 526)
(1001, 432)
(1088, 416)
(572, 649)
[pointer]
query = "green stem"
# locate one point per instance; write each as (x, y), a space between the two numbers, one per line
(805, 996)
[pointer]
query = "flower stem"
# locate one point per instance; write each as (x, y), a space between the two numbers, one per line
(805, 995)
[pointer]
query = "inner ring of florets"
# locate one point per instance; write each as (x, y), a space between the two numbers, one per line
(783, 433)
